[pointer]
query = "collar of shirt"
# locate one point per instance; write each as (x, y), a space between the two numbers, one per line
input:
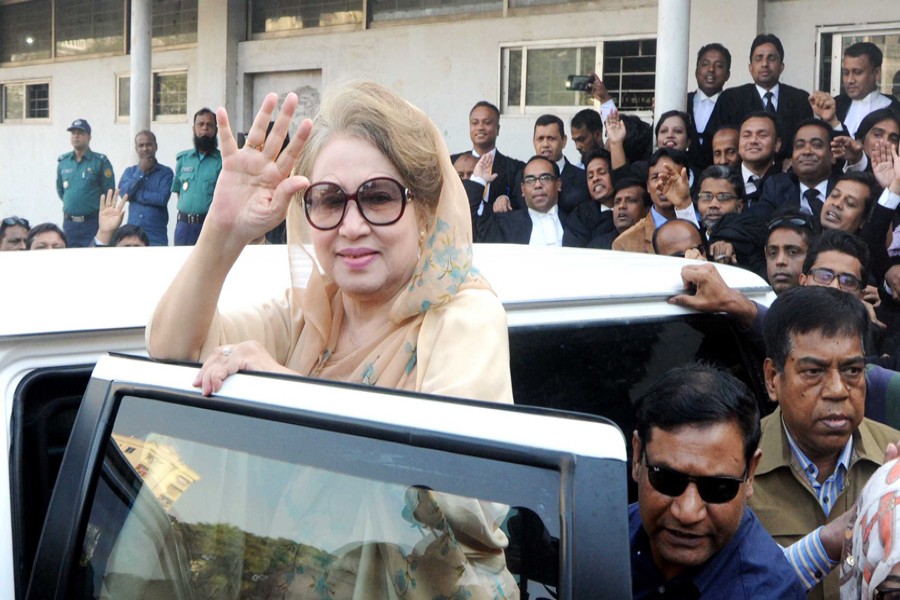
(822, 188)
(812, 471)
(763, 91)
(700, 97)
(746, 174)
(658, 219)
(561, 163)
(493, 153)
(546, 228)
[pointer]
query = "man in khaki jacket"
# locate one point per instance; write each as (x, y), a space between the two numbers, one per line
(817, 449)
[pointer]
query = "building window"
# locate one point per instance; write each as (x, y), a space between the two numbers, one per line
(89, 27)
(25, 32)
(25, 101)
(392, 10)
(267, 16)
(832, 43)
(534, 76)
(174, 22)
(168, 101)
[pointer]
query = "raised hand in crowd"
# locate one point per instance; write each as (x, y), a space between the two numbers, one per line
(844, 147)
(886, 166)
(484, 166)
(615, 137)
(255, 185)
(598, 89)
(824, 107)
(110, 217)
(673, 184)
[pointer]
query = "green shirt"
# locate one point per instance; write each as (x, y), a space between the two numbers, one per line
(195, 180)
(80, 184)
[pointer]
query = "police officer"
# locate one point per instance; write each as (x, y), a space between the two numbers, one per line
(82, 177)
(196, 172)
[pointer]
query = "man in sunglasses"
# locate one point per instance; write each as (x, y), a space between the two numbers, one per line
(540, 225)
(695, 455)
(818, 450)
(13, 233)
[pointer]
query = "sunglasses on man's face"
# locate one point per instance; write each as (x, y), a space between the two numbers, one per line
(713, 489)
(889, 589)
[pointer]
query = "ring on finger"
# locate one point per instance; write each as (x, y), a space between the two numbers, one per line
(226, 351)
(254, 146)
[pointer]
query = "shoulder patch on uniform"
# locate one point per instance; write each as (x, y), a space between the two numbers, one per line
(183, 153)
(107, 173)
(62, 157)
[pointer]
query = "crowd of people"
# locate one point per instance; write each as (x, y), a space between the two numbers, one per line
(800, 188)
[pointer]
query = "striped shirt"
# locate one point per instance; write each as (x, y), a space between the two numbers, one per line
(808, 556)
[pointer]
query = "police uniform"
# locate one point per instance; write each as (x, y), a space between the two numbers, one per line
(195, 181)
(79, 185)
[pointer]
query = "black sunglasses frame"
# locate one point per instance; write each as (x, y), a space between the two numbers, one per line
(710, 488)
(404, 200)
(14, 221)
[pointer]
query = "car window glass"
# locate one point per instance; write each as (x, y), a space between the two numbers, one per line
(195, 503)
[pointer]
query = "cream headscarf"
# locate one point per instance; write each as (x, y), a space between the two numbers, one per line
(443, 269)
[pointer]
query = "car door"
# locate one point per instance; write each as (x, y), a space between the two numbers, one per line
(286, 487)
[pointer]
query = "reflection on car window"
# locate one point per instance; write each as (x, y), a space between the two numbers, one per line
(193, 503)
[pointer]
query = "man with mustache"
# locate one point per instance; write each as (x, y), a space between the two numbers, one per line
(810, 182)
(860, 72)
(712, 72)
(591, 223)
(789, 104)
(196, 172)
(540, 223)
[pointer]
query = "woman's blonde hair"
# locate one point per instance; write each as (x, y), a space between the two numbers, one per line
(403, 133)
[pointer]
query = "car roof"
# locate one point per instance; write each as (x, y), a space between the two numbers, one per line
(97, 289)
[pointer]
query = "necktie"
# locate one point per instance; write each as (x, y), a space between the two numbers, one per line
(770, 106)
(812, 197)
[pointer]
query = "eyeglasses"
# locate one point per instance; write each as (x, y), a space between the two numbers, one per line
(713, 490)
(380, 200)
(790, 222)
(891, 593)
(546, 178)
(721, 196)
(13, 221)
(846, 281)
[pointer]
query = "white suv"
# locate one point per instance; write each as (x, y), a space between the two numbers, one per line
(163, 493)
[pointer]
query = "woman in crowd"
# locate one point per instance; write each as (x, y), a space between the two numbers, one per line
(395, 302)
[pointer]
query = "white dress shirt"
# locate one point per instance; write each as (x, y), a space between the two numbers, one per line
(860, 108)
(703, 109)
(822, 188)
(546, 230)
(763, 91)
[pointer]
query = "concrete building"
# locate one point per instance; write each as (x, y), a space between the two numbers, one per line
(67, 59)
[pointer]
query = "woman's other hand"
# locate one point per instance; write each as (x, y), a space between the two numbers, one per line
(255, 185)
(227, 360)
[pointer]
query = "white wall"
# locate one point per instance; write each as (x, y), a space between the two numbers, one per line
(443, 67)
(78, 89)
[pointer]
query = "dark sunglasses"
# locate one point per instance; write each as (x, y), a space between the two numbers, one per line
(846, 281)
(793, 222)
(891, 593)
(13, 221)
(380, 200)
(701, 249)
(713, 490)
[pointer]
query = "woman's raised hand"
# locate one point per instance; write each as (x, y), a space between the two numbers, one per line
(255, 185)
